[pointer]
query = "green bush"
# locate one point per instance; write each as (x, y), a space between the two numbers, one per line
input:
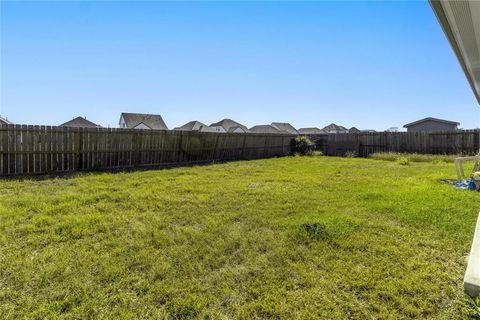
(302, 145)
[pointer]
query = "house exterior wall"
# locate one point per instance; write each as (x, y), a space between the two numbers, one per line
(122, 123)
(431, 126)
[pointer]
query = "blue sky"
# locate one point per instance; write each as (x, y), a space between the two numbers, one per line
(372, 65)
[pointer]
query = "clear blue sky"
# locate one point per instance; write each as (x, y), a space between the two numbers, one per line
(372, 65)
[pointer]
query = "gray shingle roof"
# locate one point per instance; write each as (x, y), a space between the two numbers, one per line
(229, 123)
(153, 121)
(195, 126)
(313, 130)
(333, 126)
(4, 121)
(80, 122)
(285, 127)
(431, 119)
(353, 130)
(264, 128)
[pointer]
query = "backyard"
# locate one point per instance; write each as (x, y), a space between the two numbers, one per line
(294, 237)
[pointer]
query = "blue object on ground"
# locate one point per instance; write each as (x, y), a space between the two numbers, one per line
(462, 185)
(472, 185)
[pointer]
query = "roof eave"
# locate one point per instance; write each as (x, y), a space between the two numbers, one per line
(437, 7)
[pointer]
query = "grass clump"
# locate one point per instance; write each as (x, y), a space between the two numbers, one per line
(403, 161)
(285, 238)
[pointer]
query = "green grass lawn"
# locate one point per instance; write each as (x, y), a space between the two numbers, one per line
(290, 238)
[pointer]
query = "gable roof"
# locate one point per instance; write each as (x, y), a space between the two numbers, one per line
(195, 126)
(353, 130)
(264, 128)
(80, 122)
(333, 126)
(453, 123)
(313, 130)
(153, 121)
(285, 127)
(4, 121)
(229, 123)
(233, 129)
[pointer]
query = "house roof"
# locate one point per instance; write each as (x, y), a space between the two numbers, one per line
(195, 126)
(284, 126)
(153, 121)
(4, 121)
(229, 123)
(313, 130)
(353, 130)
(232, 129)
(460, 21)
(80, 122)
(453, 123)
(333, 126)
(264, 128)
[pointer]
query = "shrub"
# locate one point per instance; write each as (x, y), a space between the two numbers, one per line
(302, 145)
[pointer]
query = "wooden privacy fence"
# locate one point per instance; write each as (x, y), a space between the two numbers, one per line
(457, 142)
(30, 150)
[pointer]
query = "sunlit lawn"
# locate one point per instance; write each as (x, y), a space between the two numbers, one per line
(296, 237)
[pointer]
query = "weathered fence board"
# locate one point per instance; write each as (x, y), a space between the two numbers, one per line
(457, 142)
(30, 150)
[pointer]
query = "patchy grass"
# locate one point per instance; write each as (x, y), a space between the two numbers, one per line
(296, 237)
(414, 157)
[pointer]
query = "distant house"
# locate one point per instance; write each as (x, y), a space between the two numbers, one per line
(4, 121)
(195, 126)
(431, 125)
(333, 128)
(226, 125)
(353, 130)
(142, 121)
(314, 130)
(265, 128)
(80, 122)
(237, 130)
(285, 127)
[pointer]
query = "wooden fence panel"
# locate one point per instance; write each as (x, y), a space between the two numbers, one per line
(457, 142)
(29, 150)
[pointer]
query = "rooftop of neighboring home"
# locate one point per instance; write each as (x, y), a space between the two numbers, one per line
(142, 120)
(4, 121)
(334, 127)
(195, 126)
(285, 127)
(353, 130)
(229, 123)
(237, 129)
(264, 128)
(453, 123)
(313, 130)
(80, 122)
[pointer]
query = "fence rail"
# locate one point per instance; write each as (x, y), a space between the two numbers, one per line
(457, 142)
(31, 150)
